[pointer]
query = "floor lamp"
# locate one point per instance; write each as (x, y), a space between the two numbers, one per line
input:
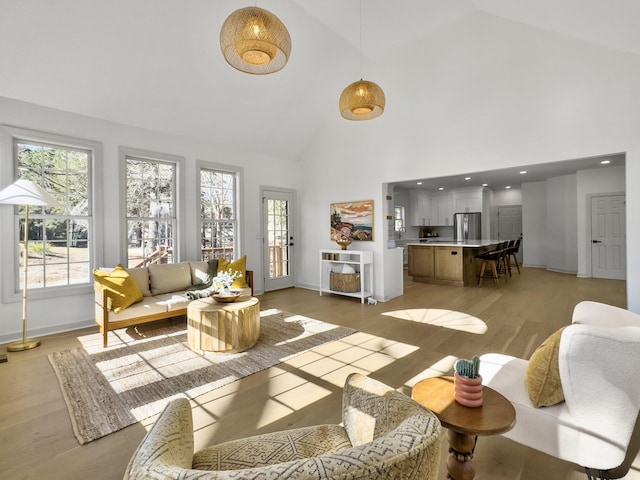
(26, 192)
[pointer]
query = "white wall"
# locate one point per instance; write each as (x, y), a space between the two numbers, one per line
(562, 224)
(63, 313)
(499, 95)
(534, 224)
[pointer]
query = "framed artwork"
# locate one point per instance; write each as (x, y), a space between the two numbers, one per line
(352, 220)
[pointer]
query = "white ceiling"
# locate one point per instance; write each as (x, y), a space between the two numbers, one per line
(156, 64)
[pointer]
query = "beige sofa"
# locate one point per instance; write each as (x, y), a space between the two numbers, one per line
(163, 288)
(384, 435)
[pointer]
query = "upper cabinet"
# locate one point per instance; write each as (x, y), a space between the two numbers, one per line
(442, 208)
(437, 208)
(468, 200)
(419, 208)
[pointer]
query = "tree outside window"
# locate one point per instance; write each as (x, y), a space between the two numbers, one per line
(151, 211)
(60, 239)
(218, 216)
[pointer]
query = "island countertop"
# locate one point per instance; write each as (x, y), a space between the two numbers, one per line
(454, 243)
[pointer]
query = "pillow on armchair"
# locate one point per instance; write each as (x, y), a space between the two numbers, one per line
(543, 373)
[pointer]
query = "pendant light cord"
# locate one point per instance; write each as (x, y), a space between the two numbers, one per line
(361, 40)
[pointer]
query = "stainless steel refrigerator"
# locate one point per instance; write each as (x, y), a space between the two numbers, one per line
(467, 226)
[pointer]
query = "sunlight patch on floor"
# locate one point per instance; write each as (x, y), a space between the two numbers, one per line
(442, 318)
(444, 366)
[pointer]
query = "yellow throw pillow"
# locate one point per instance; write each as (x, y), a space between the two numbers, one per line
(543, 373)
(123, 289)
(239, 265)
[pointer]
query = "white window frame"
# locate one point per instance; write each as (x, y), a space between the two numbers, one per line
(12, 289)
(178, 162)
(239, 183)
(399, 218)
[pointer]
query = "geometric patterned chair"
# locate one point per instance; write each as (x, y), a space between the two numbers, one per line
(384, 435)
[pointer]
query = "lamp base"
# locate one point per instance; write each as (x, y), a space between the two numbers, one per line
(28, 344)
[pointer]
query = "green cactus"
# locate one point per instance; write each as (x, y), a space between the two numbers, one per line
(468, 368)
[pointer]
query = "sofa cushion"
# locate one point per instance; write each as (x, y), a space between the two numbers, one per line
(169, 277)
(141, 276)
(200, 271)
(123, 289)
(239, 265)
(173, 301)
(273, 448)
(148, 306)
(543, 374)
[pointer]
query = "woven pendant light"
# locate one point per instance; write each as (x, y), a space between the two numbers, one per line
(255, 41)
(362, 100)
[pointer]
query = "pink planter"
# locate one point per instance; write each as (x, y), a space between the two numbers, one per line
(467, 391)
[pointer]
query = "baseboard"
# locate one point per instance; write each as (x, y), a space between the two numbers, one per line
(41, 332)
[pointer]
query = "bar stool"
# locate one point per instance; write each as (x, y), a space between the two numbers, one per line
(512, 251)
(494, 260)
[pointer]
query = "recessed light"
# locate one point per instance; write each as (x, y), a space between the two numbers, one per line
(485, 184)
(467, 178)
(605, 162)
(507, 187)
(441, 188)
(419, 183)
(522, 172)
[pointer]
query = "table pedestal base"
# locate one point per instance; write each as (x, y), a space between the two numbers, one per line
(459, 464)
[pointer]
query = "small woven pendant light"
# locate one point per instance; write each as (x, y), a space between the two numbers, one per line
(362, 100)
(255, 41)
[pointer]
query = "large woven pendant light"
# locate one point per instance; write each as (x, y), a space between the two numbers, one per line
(362, 100)
(254, 40)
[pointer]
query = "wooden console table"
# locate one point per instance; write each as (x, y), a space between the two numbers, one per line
(496, 415)
(223, 327)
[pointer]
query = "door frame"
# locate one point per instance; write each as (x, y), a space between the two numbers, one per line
(588, 222)
(292, 232)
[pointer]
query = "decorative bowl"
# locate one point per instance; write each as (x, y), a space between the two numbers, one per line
(226, 298)
(343, 242)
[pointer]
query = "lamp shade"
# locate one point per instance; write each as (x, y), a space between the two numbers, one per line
(362, 100)
(255, 41)
(26, 192)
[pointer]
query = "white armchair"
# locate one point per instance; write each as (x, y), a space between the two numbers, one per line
(598, 363)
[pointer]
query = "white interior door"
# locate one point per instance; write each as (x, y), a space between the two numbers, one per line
(510, 225)
(278, 241)
(608, 237)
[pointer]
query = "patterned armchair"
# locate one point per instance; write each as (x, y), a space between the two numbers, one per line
(386, 435)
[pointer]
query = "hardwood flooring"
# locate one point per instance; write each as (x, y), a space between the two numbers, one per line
(398, 342)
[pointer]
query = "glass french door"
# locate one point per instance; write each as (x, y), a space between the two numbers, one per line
(278, 242)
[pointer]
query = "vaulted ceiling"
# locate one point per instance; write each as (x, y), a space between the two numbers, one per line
(156, 64)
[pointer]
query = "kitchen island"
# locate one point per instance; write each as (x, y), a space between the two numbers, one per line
(447, 262)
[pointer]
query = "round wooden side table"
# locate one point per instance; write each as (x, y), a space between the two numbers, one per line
(223, 327)
(495, 416)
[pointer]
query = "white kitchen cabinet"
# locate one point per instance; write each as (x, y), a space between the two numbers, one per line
(419, 208)
(468, 200)
(362, 263)
(443, 208)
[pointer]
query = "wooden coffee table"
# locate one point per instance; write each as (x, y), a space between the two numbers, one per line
(496, 415)
(223, 327)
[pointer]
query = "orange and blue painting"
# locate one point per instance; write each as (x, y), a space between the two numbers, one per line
(352, 220)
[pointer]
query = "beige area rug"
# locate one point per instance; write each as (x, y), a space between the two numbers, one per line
(143, 368)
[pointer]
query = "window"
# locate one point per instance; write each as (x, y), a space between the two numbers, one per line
(218, 213)
(151, 205)
(60, 238)
(398, 218)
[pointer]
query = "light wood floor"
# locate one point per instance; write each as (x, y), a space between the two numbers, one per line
(398, 342)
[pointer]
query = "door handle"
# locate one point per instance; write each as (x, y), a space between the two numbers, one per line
(596, 241)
